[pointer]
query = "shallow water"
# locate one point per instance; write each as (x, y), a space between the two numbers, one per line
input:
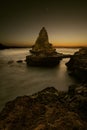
(18, 79)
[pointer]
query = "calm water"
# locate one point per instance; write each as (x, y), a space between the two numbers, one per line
(17, 79)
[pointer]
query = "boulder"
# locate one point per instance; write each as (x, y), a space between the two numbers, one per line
(77, 65)
(47, 110)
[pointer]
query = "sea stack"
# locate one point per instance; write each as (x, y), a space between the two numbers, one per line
(42, 45)
(42, 52)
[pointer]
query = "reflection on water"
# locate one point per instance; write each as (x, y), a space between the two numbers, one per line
(18, 79)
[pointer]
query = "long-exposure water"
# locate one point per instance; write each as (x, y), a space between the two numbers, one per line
(18, 79)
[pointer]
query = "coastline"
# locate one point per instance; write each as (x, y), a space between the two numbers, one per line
(49, 108)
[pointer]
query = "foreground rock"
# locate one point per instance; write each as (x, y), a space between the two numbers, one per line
(78, 64)
(43, 53)
(47, 110)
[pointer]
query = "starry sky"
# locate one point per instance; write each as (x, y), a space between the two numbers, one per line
(64, 20)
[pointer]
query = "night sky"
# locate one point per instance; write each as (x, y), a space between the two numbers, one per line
(64, 20)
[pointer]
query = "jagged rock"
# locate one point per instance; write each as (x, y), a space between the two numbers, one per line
(42, 52)
(78, 64)
(42, 45)
(47, 110)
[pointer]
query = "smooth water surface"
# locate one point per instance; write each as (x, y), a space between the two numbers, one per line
(18, 79)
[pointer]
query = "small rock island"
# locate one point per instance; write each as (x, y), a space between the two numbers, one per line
(42, 52)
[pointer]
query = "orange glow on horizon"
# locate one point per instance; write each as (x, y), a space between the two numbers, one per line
(26, 44)
(70, 44)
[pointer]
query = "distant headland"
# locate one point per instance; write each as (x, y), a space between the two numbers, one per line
(4, 46)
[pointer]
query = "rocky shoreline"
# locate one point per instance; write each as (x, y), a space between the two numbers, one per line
(50, 109)
(47, 110)
(77, 65)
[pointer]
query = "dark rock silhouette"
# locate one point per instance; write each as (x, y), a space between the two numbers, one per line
(78, 64)
(42, 45)
(47, 110)
(2, 46)
(42, 52)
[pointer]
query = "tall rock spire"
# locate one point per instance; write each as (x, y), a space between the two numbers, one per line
(42, 52)
(43, 36)
(42, 45)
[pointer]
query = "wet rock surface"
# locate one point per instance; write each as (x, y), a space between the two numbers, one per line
(42, 52)
(47, 110)
(78, 64)
(44, 61)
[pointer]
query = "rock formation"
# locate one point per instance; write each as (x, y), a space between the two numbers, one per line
(78, 64)
(42, 45)
(2, 46)
(42, 52)
(47, 110)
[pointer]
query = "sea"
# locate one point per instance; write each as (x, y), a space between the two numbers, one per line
(18, 79)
